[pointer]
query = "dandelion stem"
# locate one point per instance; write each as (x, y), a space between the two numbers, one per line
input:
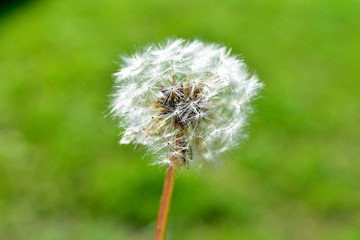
(164, 209)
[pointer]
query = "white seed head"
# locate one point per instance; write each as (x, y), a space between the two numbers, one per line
(183, 100)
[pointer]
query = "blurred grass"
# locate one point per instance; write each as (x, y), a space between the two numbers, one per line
(63, 175)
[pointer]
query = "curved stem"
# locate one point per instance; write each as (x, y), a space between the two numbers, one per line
(165, 202)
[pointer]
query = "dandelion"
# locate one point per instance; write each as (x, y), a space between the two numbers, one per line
(186, 102)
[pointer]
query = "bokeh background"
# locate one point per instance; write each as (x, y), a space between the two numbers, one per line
(64, 176)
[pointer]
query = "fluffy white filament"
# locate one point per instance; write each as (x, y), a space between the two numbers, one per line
(183, 100)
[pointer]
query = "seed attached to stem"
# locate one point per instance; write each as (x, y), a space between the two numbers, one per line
(185, 101)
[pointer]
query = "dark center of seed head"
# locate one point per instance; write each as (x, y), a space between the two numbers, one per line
(182, 104)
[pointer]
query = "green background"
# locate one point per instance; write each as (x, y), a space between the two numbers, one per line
(64, 176)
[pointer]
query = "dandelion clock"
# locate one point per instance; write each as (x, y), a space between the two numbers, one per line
(187, 102)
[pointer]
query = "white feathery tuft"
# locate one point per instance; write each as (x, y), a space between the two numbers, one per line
(183, 100)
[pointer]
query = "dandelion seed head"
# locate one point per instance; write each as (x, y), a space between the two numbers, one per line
(183, 99)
